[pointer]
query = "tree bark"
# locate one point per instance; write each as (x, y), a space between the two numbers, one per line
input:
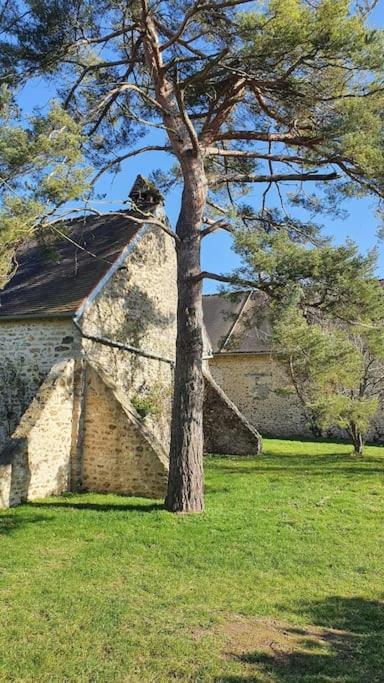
(186, 481)
(357, 440)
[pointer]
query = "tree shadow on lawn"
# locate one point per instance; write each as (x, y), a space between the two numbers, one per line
(10, 523)
(99, 507)
(345, 643)
(302, 465)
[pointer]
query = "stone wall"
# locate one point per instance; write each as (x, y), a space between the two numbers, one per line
(28, 351)
(258, 385)
(36, 461)
(117, 454)
(226, 430)
(254, 383)
(138, 307)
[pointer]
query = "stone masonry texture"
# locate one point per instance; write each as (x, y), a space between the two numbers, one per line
(225, 428)
(31, 347)
(254, 383)
(36, 460)
(116, 456)
(259, 387)
(138, 307)
(104, 442)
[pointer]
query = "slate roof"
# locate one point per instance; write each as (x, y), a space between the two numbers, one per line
(237, 324)
(54, 280)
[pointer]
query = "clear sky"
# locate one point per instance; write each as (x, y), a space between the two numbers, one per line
(360, 225)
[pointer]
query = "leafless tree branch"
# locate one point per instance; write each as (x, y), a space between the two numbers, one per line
(275, 178)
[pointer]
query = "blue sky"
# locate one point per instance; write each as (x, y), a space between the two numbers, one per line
(360, 225)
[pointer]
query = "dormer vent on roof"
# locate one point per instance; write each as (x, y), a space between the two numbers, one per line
(144, 194)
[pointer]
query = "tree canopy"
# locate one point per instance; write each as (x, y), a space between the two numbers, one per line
(287, 92)
(327, 312)
(337, 371)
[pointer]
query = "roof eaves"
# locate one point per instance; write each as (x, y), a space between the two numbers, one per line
(36, 316)
(242, 353)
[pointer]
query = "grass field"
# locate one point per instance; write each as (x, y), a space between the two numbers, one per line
(281, 579)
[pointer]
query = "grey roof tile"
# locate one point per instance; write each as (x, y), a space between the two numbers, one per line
(55, 281)
(238, 323)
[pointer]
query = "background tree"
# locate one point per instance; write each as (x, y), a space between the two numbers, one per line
(337, 375)
(327, 325)
(237, 94)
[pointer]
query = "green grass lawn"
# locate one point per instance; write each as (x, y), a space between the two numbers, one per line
(281, 579)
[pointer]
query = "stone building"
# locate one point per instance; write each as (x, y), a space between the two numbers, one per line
(241, 361)
(87, 344)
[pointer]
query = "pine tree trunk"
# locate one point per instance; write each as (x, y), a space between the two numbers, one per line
(357, 440)
(186, 481)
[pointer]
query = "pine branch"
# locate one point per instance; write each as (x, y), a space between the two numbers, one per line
(283, 158)
(275, 178)
(229, 279)
(215, 225)
(261, 136)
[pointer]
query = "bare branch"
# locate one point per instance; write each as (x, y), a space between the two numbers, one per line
(113, 99)
(147, 217)
(288, 138)
(187, 121)
(74, 87)
(186, 44)
(210, 129)
(199, 7)
(118, 345)
(215, 225)
(282, 158)
(123, 157)
(229, 279)
(123, 88)
(270, 111)
(277, 177)
(76, 244)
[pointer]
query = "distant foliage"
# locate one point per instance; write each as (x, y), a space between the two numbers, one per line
(327, 310)
(336, 369)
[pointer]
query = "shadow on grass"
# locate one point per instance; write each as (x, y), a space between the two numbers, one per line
(99, 507)
(345, 643)
(11, 523)
(302, 465)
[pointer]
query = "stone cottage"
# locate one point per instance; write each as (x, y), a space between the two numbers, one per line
(87, 345)
(242, 363)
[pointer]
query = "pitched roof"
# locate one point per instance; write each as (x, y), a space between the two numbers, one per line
(53, 280)
(238, 323)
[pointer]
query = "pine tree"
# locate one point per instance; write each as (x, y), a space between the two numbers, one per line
(240, 94)
(337, 372)
(327, 313)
